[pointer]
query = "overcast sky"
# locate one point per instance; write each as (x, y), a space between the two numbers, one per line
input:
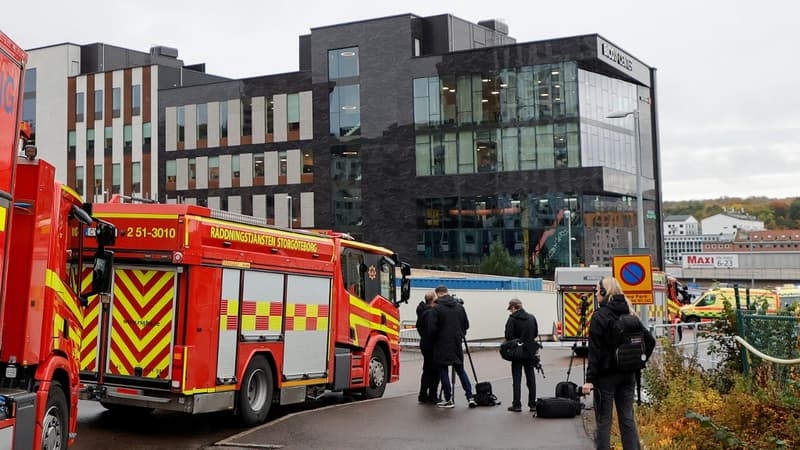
(727, 75)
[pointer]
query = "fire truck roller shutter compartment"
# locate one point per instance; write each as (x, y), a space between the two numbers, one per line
(307, 325)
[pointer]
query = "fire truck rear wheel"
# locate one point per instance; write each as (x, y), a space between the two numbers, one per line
(55, 426)
(378, 374)
(691, 319)
(255, 395)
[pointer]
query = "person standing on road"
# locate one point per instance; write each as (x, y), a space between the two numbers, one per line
(451, 324)
(523, 326)
(429, 382)
(611, 385)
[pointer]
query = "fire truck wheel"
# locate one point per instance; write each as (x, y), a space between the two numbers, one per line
(378, 374)
(255, 395)
(55, 426)
(691, 319)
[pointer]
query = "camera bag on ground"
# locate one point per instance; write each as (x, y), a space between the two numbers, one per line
(557, 408)
(483, 390)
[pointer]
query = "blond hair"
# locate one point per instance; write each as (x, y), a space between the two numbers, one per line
(612, 288)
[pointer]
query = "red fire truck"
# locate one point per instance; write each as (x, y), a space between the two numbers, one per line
(214, 311)
(42, 227)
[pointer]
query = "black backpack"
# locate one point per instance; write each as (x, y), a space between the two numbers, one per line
(634, 345)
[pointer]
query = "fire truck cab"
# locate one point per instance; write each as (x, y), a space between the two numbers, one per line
(214, 311)
(43, 228)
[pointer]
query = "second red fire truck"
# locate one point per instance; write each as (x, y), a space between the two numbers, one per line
(213, 312)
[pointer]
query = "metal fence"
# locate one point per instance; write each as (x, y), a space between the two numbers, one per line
(688, 337)
(769, 339)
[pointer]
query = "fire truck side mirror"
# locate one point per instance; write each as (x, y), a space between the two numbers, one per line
(105, 233)
(405, 283)
(101, 275)
(103, 269)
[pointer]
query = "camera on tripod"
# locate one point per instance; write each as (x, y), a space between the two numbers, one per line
(584, 308)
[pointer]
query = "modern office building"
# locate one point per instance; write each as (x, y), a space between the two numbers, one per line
(94, 109)
(434, 136)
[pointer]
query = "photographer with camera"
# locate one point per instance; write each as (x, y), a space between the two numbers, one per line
(449, 329)
(523, 326)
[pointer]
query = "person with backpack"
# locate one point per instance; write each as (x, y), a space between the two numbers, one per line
(523, 326)
(619, 345)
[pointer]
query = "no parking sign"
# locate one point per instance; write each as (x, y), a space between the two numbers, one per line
(635, 276)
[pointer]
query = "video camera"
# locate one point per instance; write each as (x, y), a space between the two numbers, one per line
(584, 306)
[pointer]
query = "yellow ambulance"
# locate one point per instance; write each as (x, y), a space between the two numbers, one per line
(710, 304)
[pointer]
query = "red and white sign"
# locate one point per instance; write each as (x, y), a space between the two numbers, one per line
(710, 261)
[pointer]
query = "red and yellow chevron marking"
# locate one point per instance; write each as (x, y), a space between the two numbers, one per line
(228, 315)
(306, 317)
(141, 323)
(262, 316)
(572, 316)
(90, 323)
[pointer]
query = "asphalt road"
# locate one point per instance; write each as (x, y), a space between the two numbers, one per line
(336, 422)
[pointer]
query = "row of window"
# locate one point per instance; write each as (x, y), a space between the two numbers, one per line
(116, 103)
(283, 172)
(530, 93)
(498, 150)
(108, 139)
(280, 209)
(102, 188)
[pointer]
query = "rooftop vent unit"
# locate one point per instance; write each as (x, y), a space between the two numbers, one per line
(161, 50)
(496, 25)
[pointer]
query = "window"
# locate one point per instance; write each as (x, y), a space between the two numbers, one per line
(90, 142)
(345, 111)
(136, 99)
(79, 180)
(136, 177)
(352, 271)
(282, 167)
(98, 105)
(213, 171)
(116, 178)
(98, 181)
(202, 122)
(71, 138)
(146, 137)
(223, 120)
(235, 172)
(247, 117)
(79, 98)
(109, 139)
(270, 118)
(29, 98)
(258, 169)
(192, 173)
(127, 139)
(308, 168)
(417, 47)
(172, 174)
(343, 63)
(181, 111)
(116, 101)
(293, 115)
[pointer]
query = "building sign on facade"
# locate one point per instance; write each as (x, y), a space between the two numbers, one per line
(710, 261)
(621, 61)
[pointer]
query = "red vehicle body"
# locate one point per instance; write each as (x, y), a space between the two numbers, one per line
(41, 239)
(210, 313)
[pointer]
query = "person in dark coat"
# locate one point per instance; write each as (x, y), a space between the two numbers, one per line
(450, 328)
(429, 382)
(523, 326)
(611, 385)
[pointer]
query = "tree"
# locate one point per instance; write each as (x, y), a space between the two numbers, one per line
(499, 261)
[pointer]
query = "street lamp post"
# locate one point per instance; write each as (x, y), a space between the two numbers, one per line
(568, 216)
(639, 199)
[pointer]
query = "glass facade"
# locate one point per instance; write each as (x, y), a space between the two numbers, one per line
(345, 111)
(515, 119)
(343, 63)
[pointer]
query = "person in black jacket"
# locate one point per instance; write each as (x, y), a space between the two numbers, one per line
(611, 385)
(450, 327)
(429, 382)
(523, 326)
